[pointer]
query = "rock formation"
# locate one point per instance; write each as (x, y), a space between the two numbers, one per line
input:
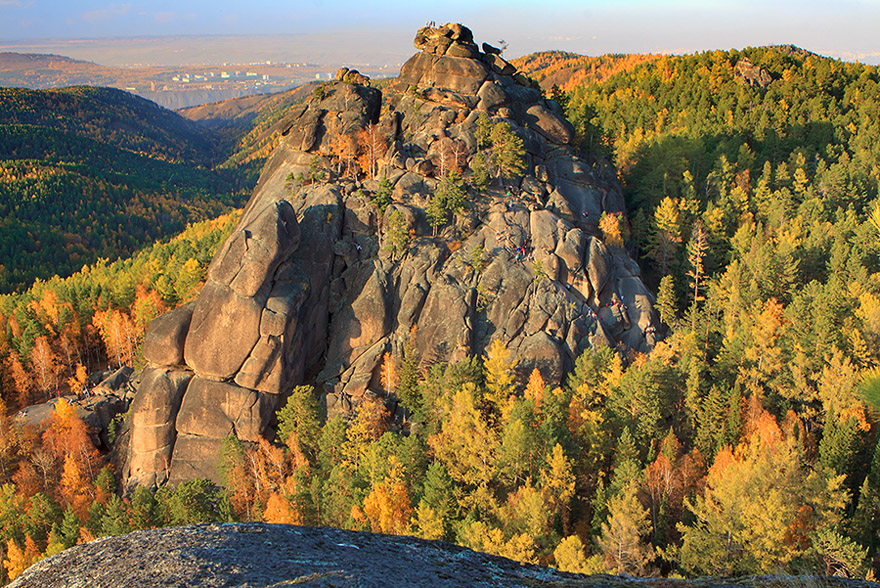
(751, 74)
(307, 290)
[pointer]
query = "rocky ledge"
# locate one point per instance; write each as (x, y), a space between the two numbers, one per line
(245, 555)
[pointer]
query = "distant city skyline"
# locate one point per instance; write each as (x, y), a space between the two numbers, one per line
(166, 32)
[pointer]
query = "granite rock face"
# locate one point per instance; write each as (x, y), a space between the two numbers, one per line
(307, 289)
(255, 555)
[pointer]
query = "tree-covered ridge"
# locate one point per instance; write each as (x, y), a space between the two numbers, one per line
(110, 116)
(567, 71)
(751, 208)
(92, 172)
(62, 328)
(683, 113)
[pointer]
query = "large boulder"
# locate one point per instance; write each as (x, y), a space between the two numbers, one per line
(552, 126)
(165, 338)
(219, 409)
(224, 329)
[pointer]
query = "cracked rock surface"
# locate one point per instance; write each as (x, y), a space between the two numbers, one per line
(271, 556)
(305, 290)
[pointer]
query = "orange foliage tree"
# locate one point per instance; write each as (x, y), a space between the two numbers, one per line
(120, 335)
(371, 145)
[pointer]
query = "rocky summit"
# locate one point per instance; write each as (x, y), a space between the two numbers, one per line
(319, 281)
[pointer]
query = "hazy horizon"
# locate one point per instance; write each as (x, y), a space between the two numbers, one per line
(198, 32)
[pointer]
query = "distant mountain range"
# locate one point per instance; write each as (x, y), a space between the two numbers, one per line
(170, 86)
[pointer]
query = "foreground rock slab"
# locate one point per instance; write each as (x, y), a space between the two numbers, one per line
(255, 554)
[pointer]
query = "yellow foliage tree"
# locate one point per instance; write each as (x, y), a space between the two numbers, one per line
(78, 380)
(569, 556)
(15, 562)
(278, 510)
(481, 537)
(558, 483)
(388, 507)
(499, 366)
(622, 540)
(610, 225)
(760, 506)
(428, 524)
(389, 374)
(75, 487)
(466, 444)
(369, 424)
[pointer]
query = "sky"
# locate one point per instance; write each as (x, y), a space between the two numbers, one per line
(382, 31)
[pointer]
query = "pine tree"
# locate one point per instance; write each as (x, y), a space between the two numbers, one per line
(301, 416)
(436, 212)
(479, 172)
(115, 520)
(507, 155)
(397, 236)
(666, 304)
(439, 494)
(408, 381)
(383, 196)
(70, 526)
(143, 509)
(483, 131)
(452, 193)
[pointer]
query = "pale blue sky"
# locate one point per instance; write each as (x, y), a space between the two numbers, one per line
(841, 28)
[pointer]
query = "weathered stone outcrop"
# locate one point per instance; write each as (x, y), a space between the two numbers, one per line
(153, 417)
(163, 344)
(308, 289)
(751, 74)
(258, 555)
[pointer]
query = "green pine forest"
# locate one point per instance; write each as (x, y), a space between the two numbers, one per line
(88, 173)
(739, 446)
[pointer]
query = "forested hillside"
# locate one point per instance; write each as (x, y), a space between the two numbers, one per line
(62, 328)
(96, 172)
(750, 204)
(567, 71)
(113, 117)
